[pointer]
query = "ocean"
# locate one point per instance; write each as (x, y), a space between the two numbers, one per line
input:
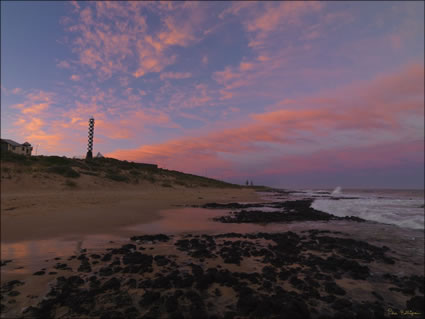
(404, 208)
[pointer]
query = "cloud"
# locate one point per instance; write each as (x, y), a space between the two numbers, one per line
(114, 38)
(267, 20)
(64, 65)
(17, 91)
(33, 122)
(175, 75)
(388, 155)
(35, 109)
(124, 81)
(237, 6)
(363, 115)
(189, 97)
(75, 77)
(282, 13)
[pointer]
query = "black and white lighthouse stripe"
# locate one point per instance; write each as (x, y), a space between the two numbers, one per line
(91, 133)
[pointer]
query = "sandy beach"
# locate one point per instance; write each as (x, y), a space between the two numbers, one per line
(40, 208)
(96, 248)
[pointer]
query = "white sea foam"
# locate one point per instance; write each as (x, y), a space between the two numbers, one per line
(336, 191)
(408, 213)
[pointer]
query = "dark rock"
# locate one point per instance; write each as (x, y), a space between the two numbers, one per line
(161, 260)
(333, 288)
(341, 304)
(171, 304)
(62, 266)
(107, 257)
(82, 257)
(129, 247)
(378, 296)
(298, 310)
(298, 210)
(416, 304)
(73, 281)
(149, 298)
(14, 293)
(246, 301)
(39, 273)
(112, 283)
(85, 266)
(344, 315)
(328, 299)
(131, 283)
(153, 238)
(131, 312)
(106, 271)
(269, 273)
(112, 314)
(8, 286)
(197, 248)
(137, 258)
(5, 262)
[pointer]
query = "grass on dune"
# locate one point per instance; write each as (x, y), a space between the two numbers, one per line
(110, 169)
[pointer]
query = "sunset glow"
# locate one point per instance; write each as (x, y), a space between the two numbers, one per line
(301, 94)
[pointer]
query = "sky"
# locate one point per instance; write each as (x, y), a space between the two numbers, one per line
(287, 94)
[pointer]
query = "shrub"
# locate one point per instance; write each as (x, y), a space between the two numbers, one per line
(15, 158)
(89, 173)
(64, 171)
(112, 170)
(134, 172)
(151, 179)
(56, 160)
(117, 177)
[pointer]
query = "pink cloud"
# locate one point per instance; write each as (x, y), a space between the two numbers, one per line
(382, 105)
(127, 46)
(33, 123)
(64, 65)
(282, 13)
(348, 159)
(17, 91)
(175, 75)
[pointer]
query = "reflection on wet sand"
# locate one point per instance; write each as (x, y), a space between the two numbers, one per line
(407, 243)
(29, 256)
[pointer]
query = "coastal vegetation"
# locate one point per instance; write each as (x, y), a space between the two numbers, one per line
(104, 168)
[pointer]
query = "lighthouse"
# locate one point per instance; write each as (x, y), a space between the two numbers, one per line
(90, 143)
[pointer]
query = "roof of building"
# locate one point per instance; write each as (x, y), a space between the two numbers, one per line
(13, 143)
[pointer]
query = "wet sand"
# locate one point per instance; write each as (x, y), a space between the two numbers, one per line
(42, 214)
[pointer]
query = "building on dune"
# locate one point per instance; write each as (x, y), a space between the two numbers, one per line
(15, 147)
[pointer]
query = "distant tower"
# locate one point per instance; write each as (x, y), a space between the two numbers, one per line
(90, 144)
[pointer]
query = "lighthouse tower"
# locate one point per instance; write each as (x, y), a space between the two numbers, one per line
(90, 143)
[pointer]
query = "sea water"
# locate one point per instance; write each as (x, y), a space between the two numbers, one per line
(404, 208)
